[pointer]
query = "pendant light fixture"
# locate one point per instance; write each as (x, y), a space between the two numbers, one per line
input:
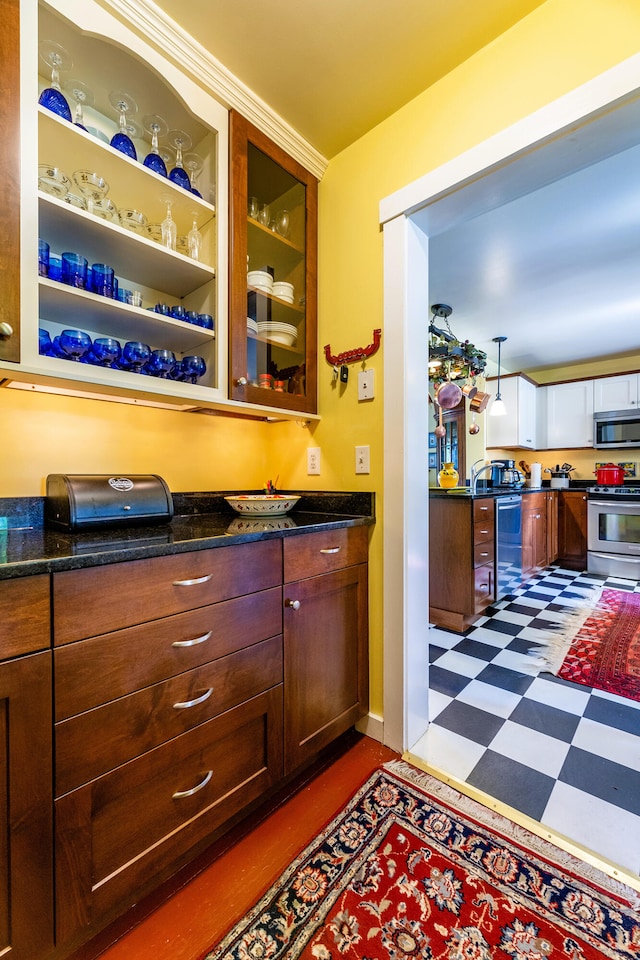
(498, 408)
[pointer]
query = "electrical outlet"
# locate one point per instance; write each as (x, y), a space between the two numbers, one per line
(362, 460)
(313, 461)
(366, 384)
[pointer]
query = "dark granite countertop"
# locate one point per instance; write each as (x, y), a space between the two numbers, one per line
(201, 521)
(488, 491)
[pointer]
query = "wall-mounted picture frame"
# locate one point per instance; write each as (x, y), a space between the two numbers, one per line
(432, 461)
(432, 441)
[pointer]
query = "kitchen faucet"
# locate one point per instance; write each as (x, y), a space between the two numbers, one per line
(475, 473)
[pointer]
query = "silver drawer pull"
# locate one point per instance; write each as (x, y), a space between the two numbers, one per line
(189, 793)
(194, 642)
(331, 550)
(185, 704)
(192, 583)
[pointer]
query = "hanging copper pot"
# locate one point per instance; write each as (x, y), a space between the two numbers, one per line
(469, 390)
(449, 395)
(479, 401)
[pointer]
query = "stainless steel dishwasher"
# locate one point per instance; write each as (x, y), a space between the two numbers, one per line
(508, 544)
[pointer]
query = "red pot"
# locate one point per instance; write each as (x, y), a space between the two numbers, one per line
(610, 475)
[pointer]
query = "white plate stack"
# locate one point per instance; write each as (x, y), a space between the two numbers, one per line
(252, 326)
(261, 280)
(285, 333)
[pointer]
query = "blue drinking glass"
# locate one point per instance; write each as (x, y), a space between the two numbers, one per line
(191, 316)
(102, 276)
(44, 342)
(192, 368)
(124, 104)
(52, 97)
(82, 95)
(178, 312)
(161, 364)
(56, 350)
(134, 356)
(181, 141)
(74, 270)
(55, 267)
(205, 320)
(75, 343)
(105, 351)
(43, 258)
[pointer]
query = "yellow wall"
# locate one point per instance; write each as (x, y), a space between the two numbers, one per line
(558, 47)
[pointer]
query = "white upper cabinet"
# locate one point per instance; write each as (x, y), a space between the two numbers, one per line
(105, 57)
(615, 393)
(518, 428)
(566, 411)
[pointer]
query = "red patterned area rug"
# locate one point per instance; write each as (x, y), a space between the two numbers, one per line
(410, 868)
(605, 651)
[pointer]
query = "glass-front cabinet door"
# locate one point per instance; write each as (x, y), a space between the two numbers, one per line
(273, 244)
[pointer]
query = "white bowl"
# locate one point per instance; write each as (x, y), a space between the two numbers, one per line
(262, 505)
(260, 524)
(283, 290)
(255, 277)
(53, 180)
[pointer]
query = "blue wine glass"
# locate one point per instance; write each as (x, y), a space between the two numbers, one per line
(157, 127)
(192, 368)
(75, 343)
(105, 351)
(134, 356)
(124, 104)
(56, 350)
(194, 164)
(52, 97)
(161, 363)
(181, 141)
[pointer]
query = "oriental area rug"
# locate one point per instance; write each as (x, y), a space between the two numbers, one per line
(410, 868)
(604, 650)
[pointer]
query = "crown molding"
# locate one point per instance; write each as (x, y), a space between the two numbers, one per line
(152, 24)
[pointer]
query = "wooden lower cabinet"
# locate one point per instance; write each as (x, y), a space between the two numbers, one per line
(325, 639)
(534, 533)
(552, 526)
(461, 560)
(26, 801)
(183, 703)
(572, 529)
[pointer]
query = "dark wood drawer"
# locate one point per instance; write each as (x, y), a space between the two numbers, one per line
(92, 672)
(483, 553)
(96, 600)
(315, 553)
(25, 625)
(483, 585)
(99, 740)
(118, 836)
(483, 509)
(483, 531)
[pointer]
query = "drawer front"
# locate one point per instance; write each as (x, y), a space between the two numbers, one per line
(116, 837)
(94, 671)
(483, 584)
(25, 625)
(315, 553)
(483, 509)
(483, 531)
(95, 742)
(483, 553)
(96, 600)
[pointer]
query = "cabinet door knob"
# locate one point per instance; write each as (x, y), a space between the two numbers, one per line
(241, 382)
(189, 793)
(6, 330)
(294, 604)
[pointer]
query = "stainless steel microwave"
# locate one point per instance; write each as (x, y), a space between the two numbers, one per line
(616, 428)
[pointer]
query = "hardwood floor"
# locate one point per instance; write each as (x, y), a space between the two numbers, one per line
(191, 920)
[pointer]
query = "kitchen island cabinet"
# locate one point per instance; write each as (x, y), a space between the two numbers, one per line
(325, 639)
(572, 529)
(461, 560)
(26, 817)
(534, 533)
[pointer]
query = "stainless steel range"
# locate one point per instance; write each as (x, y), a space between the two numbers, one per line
(613, 531)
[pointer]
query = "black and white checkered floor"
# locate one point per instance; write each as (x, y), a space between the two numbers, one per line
(562, 753)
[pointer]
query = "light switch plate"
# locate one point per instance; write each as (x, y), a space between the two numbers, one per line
(362, 460)
(366, 384)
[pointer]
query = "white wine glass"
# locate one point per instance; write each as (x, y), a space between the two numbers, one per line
(81, 94)
(168, 226)
(181, 141)
(194, 240)
(52, 97)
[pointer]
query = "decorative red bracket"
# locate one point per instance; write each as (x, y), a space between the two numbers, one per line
(352, 356)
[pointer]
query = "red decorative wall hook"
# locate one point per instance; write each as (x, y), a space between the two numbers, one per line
(352, 356)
